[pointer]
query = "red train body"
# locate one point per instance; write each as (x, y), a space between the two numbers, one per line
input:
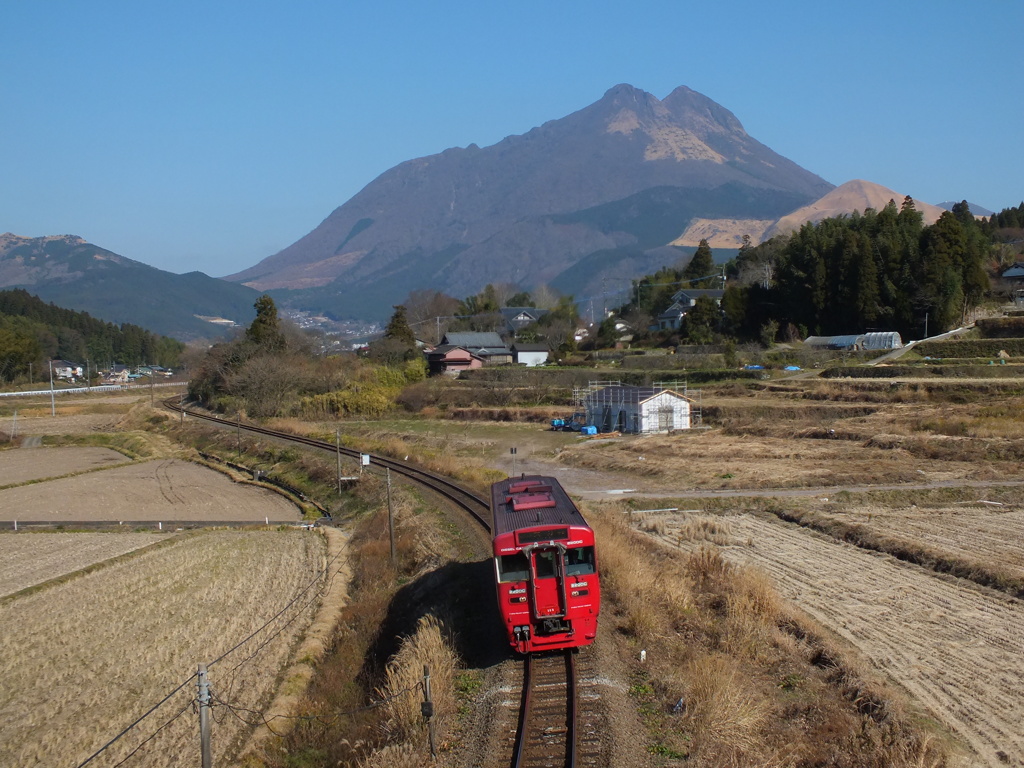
(545, 565)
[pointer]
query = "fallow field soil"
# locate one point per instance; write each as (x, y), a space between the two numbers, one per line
(160, 489)
(23, 466)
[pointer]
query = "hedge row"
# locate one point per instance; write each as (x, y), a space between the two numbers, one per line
(915, 371)
(1001, 327)
(581, 377)
(972, 348)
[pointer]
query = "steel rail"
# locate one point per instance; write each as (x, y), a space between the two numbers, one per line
(474, 505)
(539, 720)
(524, 713)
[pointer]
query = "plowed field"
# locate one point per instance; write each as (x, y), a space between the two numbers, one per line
(162, 489)
(955, 647)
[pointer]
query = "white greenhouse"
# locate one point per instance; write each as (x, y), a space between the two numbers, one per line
(639, 410)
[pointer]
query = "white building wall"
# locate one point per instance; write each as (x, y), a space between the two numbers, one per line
(664, 412)
(531, 359)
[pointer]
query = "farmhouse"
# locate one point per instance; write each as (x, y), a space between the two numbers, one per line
(517, 318)
(450, 360)
(682, 302)
(487, 346)
(637, 410)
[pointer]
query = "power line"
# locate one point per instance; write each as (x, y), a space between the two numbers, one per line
(148, 712)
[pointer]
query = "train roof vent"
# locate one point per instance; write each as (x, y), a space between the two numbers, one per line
(524, 485)
(532, 501)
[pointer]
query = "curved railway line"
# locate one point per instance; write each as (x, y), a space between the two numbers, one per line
(546, 731)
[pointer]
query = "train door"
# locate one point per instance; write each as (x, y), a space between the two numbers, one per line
(548, 583)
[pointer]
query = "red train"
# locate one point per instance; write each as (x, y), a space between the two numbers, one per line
(544, 564)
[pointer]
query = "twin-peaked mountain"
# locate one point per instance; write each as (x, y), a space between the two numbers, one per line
(589, 200)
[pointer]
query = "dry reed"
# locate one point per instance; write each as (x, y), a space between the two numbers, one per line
(427, 648)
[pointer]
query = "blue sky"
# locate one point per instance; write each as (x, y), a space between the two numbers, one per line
(208, 135)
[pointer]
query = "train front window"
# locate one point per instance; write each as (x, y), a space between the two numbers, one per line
(579, 561)
(544, 561)
(513, 567)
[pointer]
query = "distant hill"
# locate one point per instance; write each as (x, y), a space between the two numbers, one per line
(977, 210)
(68, 271)
(590, 198)
(856, 195)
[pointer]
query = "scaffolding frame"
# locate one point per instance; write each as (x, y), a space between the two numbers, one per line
(581, 394)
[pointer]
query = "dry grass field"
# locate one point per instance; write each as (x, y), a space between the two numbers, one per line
(27, 560)
(955, 647)
(84, 658)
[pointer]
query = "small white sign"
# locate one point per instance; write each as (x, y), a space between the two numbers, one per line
(365, 458)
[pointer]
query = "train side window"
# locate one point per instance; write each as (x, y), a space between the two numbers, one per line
(545, 563)
(513, 567)
(579, 561)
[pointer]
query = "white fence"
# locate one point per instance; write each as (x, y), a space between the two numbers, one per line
(100, 388)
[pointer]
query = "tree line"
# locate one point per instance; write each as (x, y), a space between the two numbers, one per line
(33, 332)
(877, 270)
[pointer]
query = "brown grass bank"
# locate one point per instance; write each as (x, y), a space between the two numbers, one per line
(734, 676)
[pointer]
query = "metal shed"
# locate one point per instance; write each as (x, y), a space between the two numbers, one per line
(637, 410)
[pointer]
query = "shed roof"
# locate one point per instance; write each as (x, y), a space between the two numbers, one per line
(473, 340)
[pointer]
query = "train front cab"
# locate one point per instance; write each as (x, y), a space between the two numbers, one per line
(548, 588)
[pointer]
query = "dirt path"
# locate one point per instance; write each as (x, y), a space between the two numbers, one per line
(955, 648)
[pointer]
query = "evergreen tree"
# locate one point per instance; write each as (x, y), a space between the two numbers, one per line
(701, 269)
(265, 330)
(398, 328)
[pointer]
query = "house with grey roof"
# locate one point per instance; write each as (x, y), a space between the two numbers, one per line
(486, 345)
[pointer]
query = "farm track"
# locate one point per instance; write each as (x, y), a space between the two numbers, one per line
(475, 506)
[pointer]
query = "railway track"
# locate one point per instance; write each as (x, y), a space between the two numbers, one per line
(546, 732)
(546, 735)
(475, 506)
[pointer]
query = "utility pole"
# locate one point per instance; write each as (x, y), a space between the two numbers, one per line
(238, 434)
(53, 406)
(427, 708)
(337, 445)
(391, 523)
(513, 452)
(152, 376)
(203, 684)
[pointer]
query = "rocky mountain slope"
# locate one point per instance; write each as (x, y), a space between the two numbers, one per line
(72, 273)
(593, 196)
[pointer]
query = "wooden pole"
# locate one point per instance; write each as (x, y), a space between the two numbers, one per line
(428, 711)
(391, 524)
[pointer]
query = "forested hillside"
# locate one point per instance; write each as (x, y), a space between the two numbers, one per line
(880, 270)
(32, 332)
